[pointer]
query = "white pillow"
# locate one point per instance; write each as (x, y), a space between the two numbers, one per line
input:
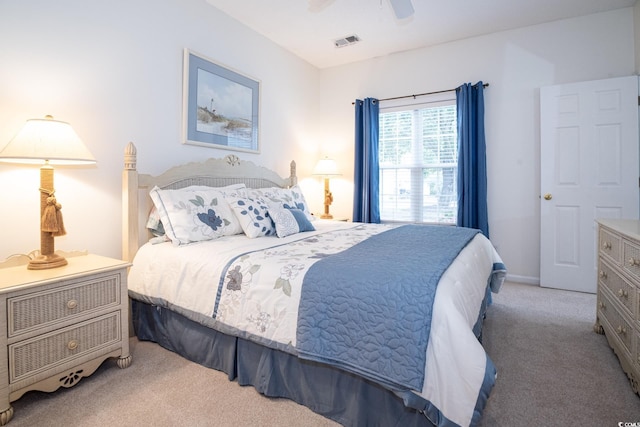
(290, 198)
(289, 221)
(253, 215)
(154, 222)
(196, 213)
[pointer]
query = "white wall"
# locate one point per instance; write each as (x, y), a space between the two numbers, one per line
(113, 69)
(636, 26)
(515, 64)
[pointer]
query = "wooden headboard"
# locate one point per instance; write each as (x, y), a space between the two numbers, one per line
(136, 203)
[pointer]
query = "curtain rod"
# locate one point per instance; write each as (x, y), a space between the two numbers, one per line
(421, 94)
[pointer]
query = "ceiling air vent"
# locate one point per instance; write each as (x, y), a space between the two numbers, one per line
(346, 41)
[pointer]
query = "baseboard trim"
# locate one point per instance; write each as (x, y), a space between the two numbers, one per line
(523, 279)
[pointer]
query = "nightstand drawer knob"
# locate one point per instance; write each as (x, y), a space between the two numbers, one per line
(623, 293)
(72, 345)
(71, 304)
(621, 330)
(633, 262)
(606, 245)
(602, 305)
(603, 274)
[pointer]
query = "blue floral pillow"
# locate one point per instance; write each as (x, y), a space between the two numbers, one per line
(194, 215)
(253, 215)
(289, 198)
(290, 221)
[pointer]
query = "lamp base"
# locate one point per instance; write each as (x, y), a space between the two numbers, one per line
(326, 216)
(44, 262)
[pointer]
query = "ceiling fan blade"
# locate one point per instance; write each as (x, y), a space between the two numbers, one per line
(402, 8)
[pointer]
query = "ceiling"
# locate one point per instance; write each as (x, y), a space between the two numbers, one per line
(310, 34)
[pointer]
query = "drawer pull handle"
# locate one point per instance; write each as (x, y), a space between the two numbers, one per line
(606, 245)
(633, 262)
(621, 330)
(603, 274)
(72, 345)
(71, 304)
(623, 293)
(602, 305)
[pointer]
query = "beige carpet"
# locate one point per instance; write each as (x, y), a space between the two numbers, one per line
(160, 388)
(552, 371)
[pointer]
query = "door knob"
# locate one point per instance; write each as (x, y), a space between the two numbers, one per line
(548, 196)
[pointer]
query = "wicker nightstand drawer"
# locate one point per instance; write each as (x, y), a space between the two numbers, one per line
(42, 308)
(32, 356)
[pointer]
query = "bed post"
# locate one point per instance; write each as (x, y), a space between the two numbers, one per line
(293, 178)
(129, 204)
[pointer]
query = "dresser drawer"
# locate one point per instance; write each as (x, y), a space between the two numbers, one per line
(631, 259)
(40, 309)
(637, 312)
(29, 357)
(619, 286)
(610, 245)
(636, 355)
(615, 323)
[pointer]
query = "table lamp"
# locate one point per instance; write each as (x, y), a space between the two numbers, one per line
(326, 167)
(47, 142)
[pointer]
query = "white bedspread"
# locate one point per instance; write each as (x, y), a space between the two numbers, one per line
(259, 299)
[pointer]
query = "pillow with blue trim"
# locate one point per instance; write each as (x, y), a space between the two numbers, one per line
(253, 215)
(194, 215)
(289, 221)
(154, 221)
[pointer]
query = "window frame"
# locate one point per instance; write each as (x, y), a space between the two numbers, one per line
(447, 98)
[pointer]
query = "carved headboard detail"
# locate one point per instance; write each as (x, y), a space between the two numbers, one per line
(136, 203)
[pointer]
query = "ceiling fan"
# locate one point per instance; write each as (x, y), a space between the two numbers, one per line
(401, 8)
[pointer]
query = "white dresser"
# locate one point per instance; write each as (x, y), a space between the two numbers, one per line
(618, 307)
(58, 325)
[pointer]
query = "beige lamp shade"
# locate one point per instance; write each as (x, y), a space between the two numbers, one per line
(42, 140)
(47, 142)
(326, 167)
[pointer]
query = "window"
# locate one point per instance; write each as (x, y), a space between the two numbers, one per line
(418, 156)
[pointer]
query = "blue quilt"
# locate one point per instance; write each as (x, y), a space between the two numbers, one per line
(371, 317)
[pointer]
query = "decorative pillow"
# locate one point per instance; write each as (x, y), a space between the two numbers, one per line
(289, 198)
(154, 222)
(194, 214)
(253, 215)
(289, 221)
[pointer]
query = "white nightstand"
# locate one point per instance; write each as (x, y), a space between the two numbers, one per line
(60, 325)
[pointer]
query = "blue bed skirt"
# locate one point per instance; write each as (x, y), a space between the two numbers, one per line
(333, 393)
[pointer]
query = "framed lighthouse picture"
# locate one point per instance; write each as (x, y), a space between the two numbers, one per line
(221, 107)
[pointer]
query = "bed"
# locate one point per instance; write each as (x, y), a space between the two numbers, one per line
(230, 270)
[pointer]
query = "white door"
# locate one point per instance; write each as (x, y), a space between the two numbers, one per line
(589, 169)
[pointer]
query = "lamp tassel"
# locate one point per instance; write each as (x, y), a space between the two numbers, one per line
(52, 218)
